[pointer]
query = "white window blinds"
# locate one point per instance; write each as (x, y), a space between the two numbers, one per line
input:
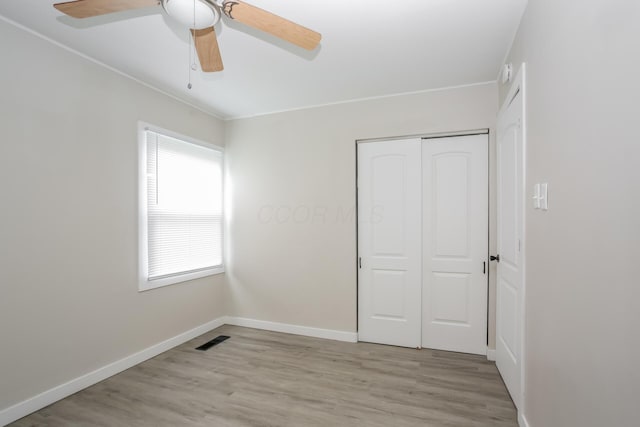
(184, 207)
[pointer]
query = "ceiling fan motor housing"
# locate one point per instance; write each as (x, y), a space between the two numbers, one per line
(194, 14)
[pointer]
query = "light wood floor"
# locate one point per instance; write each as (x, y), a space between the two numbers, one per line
(260, 378)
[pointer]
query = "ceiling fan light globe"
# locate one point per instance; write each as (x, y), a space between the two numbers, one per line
(182, 11)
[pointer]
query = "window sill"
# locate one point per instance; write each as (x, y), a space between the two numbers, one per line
(147, 285)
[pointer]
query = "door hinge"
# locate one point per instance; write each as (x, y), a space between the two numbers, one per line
(360, 262)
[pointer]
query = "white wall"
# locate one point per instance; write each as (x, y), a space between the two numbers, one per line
(583, 291)
(69, 300)
(292, 255)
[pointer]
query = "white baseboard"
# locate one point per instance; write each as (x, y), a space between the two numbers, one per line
(522, 421)
(491, 354)
(50, 396)
(329, 334)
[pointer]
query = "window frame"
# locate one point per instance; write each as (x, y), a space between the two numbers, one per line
(143, 242)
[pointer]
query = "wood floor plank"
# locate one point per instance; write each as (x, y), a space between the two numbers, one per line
(261, 378)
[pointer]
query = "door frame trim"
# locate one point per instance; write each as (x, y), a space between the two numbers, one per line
(519, 87)
(483, 131)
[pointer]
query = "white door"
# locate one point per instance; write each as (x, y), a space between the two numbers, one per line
(455, 243)
(389, 243)
(509, 305)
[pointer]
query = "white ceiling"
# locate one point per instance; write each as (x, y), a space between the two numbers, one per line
(369, 48)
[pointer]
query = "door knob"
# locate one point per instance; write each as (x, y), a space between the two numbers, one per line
(495, 258)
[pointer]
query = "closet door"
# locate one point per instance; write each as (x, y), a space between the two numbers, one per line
(389, 242)
(455, 243)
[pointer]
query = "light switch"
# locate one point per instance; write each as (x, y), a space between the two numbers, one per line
(536, 196)
(544, 196)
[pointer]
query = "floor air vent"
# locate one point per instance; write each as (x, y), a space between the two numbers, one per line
(217, 340)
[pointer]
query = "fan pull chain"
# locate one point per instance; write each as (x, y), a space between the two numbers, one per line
(192, 51)
(193, 64)
(189, 84)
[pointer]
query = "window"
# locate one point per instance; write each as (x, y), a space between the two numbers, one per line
(180, 208)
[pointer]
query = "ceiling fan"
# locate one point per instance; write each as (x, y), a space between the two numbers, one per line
(200, 16)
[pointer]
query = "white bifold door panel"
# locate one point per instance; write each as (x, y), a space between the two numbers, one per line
(510, 232)
(389, 244)
(455, 243)
(422, 242)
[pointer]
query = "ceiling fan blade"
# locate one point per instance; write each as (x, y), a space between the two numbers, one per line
(272, 24)
(208, 51)
(89, 8)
